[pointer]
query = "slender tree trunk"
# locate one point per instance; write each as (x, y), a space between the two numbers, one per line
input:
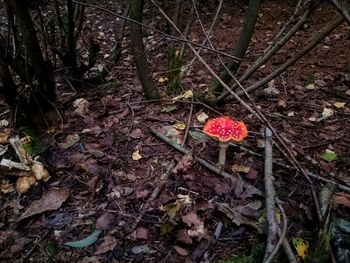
(247, 31)
(43, 71)
(7, 87)
(72, 58)
(143, 70)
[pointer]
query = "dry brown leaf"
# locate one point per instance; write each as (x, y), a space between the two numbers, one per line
(4, 134)
(108, 244)
(181, 251)
(142, 233)
(51, 200)
(342, 199)
(24, 183)
(105, 221)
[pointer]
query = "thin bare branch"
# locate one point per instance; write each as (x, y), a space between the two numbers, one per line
(158, 31)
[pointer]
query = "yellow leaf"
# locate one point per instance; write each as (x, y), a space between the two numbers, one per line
(179, 126)
(327, 112)
(162, 80)
(301, 246)
(136, 155)
(202, 117)
(186, 95)
(240, 168)
(172, 208)
(339, 104)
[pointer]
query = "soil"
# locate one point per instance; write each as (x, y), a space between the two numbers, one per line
(117, 163)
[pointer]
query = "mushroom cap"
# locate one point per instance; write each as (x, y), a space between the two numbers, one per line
(225, 129)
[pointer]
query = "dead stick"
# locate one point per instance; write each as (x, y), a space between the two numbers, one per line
(270, 196)
(163, 179)
(205, 163)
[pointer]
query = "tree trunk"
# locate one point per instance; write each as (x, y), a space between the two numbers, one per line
(43, 71)
(247, 31)
(7, 87)
(143, 70)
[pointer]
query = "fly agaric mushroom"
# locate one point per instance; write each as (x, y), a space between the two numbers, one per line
(224, 129)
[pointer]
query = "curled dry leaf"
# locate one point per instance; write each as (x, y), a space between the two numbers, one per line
(4, 135)
(24, 183)
(40, 172)
(184, 164)
(105, 221)
(81, 107)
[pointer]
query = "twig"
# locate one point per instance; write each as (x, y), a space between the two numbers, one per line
(27, 255)
(188, 123)
(205, 163)
(188, 66)
(162, 180)
(157, 30)
(269, 199)
(341, 9)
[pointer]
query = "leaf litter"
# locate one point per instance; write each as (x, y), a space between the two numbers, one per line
(108, 189)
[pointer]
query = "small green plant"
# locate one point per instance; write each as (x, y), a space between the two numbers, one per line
(32, 143)
(255, 255)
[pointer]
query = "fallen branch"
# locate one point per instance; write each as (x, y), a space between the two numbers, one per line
(270, 196)
(205, 163)
(341, 10)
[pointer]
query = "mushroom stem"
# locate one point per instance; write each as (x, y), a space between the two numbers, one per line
(222, 153)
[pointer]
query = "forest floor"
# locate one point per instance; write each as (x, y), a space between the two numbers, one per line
(104, 179)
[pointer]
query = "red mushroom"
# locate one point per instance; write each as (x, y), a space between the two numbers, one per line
(225, 130)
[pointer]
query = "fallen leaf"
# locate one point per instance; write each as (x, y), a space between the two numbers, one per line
(197, 135)
(4, 134)
(142, 233)
(136, 133)
(240, 168)
(50, 200)
(191, 219)
(180, 126)
(202, 117)
(162, 80)
(183, 237)
(136, 155)
(105, 221)
(341, 199)
(290, 114)
(186, 95)
(181, 251)
(184, 164)
(310, 86)
(89, 240)
(328, 155)
(339, 104)
(172, 209)
(108, 244)
(143, 249)
(24, 183)
(327, 112)
(301, 246)
(81, 107)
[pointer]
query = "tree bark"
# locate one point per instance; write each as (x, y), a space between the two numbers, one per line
(150, 90)
(247, 31)
(7, 87)
(43, 72)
